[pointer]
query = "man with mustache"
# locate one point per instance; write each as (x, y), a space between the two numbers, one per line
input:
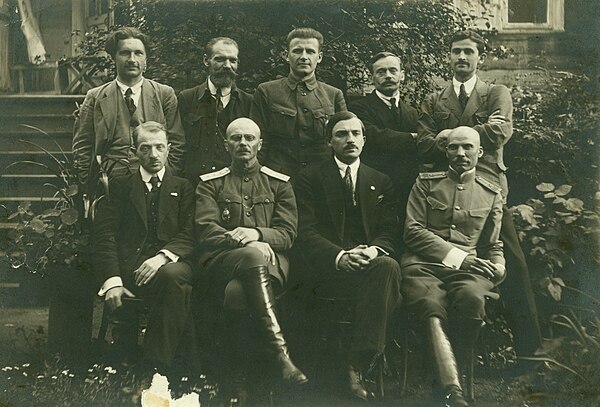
(347, 234)
(468, 101)
(207, 109)
(292, 112)
(143, 242)
(454, 257)
(103, 129)
(390, 126)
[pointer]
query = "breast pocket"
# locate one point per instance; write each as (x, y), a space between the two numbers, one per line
(437, 213)
(442, 119)
(283, 121)
(320, 118)
(476, 220)
(263, 206)
(229, 210)
(192, 125)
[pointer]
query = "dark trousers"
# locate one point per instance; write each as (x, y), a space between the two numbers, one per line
(432, 290)
(377, 293)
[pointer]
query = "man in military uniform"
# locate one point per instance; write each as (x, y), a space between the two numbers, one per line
(292, 112)
(207, 109)
(454, 255)
(246, 219)
(468, 101)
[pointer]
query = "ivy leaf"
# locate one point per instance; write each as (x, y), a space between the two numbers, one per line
(549, 195)
(563, 190)
(526, 213)
(553, 287)
(37, 225)
(545, 187)
(69, 216)
(574, 204)
(559, 281)
(71, 190)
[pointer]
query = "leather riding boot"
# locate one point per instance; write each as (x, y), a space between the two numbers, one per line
(444, 363)
(466, 340)
(261, 304)
(237, 331)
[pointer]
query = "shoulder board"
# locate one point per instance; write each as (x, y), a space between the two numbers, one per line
(274, 174)
(432, 175)
(215, 175)
(488, 184)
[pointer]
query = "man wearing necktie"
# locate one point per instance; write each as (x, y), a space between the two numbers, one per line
(143, 241)
(347, 234)
(103, 130)
(207, 109)
(390, 126)
(292, 112)
(470, 102)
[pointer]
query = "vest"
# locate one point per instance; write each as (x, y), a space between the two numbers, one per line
(151, 245)
(354, 232)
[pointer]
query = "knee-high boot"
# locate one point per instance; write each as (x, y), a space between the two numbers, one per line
(236, 360)
(444, 363)
(464, 345)
(257, 287)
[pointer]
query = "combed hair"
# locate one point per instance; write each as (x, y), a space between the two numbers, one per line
(124, 33)
(305, 33)
(208, 50)
(148, 127)
(338, 117)
(470, 35)
(381, 55)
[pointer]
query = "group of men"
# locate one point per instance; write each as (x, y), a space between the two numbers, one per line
(285, 167)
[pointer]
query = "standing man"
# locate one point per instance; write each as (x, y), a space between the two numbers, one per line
(454, 256)
(390, 124)
(246, 221)
(348, 229)
(488, 109)
(103, 131)
(207, 109)
(292, 112)
(143, 239)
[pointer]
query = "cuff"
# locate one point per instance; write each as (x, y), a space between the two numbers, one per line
(454, 258)
(170, 255)
(110, 282)
(381, 251)
(338, 257)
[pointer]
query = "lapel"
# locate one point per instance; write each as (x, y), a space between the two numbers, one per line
(151, 104)
(477, 98)
(367, 194)
(109, 102)
(138, 197)
(384, 113)
(450, 100)
(334, 195)
(164, 197)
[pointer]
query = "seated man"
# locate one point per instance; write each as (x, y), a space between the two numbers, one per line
(454, 254)
(347, 233)
(246, 220)
(143, 237)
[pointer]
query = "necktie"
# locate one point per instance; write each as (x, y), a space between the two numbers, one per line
(394, 106)
(462, 96)
(129, 101)
(154, 183)
(218, 96)
(349, 187)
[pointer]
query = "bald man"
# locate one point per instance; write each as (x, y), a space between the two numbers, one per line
(454, 255)
(246, 219)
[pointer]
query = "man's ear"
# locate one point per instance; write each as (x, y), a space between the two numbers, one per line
(481, 59)
(402, 76)
(320, 57)
(259, 144)
(480, 153)
(205, 60)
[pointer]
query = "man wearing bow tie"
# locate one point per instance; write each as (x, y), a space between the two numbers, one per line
(390, 125)
(347, 233)
(207, 109)
(104, 126)
(143, 240)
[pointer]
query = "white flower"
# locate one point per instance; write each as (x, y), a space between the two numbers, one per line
(26, 364)
(54, 377)
(71, 375)
(40, 376)
(25, 374)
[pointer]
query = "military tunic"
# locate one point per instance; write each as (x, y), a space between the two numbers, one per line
(448, 214)
(292, 115)
(258, 198)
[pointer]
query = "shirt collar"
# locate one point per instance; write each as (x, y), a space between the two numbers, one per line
(469, 85)
(386, 99)
(225, 91)
(353, 168)
(310, 82)
(135, 89)
(147, 175)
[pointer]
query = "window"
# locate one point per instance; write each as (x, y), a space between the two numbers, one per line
(532, 15)
(528, 11)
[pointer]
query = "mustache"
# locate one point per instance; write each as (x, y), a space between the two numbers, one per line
(225, 73)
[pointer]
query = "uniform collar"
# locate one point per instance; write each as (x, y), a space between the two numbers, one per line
(310, 82)
(462, 178)
(147, 175)
(241, 171)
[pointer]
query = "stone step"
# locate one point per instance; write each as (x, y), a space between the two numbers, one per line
(32, 141)
(18, 124)
(11, 105)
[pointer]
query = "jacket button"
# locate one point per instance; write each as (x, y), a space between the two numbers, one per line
(304, 127)
(246, 179)
(138, 250)
(246, 197)
(248, 213)
(267, 200)
(460, 187)
(453, 227)
(305, 110)
(457, 208)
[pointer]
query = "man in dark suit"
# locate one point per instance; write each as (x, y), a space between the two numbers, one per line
(390, 125)
(207, 109)
(292, 112)
(348, 229)
(468, 101)
(104, 127)
(143, 237)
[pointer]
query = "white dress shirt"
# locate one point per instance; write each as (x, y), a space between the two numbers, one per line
(135, 89)
(225, 92)
(387, 99)
(469, 85)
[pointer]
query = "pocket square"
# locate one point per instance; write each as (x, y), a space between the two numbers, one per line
(174, 194)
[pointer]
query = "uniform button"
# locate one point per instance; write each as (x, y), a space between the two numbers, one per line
(460, 187)
(457, 208)
(305, 110)
(138, 250)
(304, 164)
(248, 213)
(452, 226)
(213, 168)
(303, 93)
(304, 127)
(246, 197)
(203, 166)
(267, 200)
(246, 179)
(227, 200)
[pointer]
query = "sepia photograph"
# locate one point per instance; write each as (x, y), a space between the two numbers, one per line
(312, 203)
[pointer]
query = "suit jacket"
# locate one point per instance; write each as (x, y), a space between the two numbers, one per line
(204, 144)
(442, 110)
(96, 124)
(390, 146)
(319, 192)
(120, 227)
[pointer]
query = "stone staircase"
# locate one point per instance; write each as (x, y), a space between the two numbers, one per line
(20, 115)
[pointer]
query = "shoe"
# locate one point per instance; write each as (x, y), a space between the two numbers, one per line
(289, 372)
(454, 398)
(356, 386)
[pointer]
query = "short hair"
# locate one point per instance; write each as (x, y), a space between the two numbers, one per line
(470, 35)
(381, 55)
(148, 127)
(339, 117)
(305, 33)
(208, 50)
(124, 33)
